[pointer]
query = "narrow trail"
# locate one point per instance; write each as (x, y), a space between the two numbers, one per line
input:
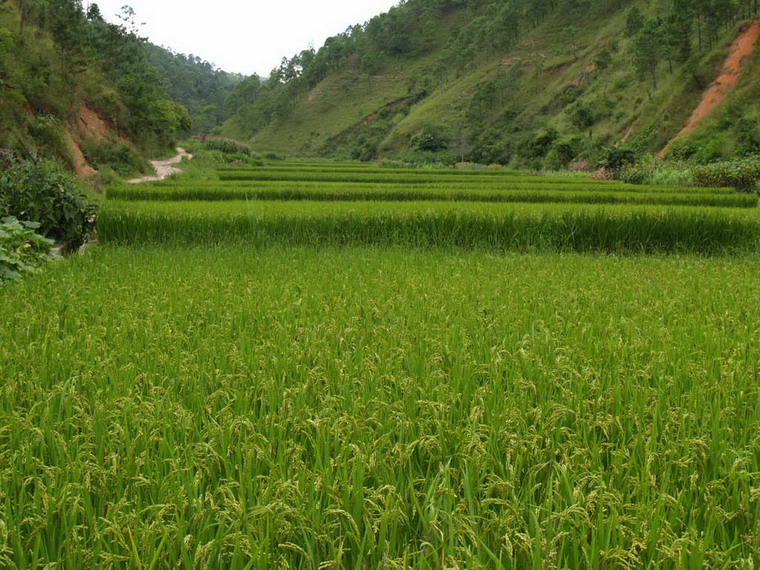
(741, 48)
(164, 168)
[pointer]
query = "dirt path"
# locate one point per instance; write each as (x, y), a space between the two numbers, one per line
(741, 48)
(163, 168)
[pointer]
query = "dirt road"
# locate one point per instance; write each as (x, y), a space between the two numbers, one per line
(163, 168)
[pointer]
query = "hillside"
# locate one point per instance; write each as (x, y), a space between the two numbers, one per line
(89, 94)
(521, 83)
(198, 85)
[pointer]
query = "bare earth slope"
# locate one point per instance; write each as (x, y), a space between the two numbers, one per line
(741, 48)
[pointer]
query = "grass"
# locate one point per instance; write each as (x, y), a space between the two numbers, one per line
(386, 384)
(380, 407)
(332, 192)
(496, 227)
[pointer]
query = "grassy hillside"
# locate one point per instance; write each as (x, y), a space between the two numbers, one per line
(80, 91)
(567, 85)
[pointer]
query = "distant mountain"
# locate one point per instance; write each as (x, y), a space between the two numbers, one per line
(195, 83)
(523, 82)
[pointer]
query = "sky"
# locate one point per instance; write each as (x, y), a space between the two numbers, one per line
(243, 36)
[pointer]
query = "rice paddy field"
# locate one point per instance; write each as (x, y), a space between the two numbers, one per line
(243, 380)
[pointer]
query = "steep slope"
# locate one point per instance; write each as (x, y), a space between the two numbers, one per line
(741, 49)
(496, 82)
(79, 90)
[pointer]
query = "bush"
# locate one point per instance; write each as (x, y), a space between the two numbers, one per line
(634, 173)
(22, 250)
(615, 158)
(227, 146)
(431, 138)
(657, 173)
(741, 174)
(119, 156)
(237, 159)
(44, 193)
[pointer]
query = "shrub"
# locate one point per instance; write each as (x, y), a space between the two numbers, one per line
(469, 166)
(657, 173)
(22, 250)
(237, 159)
(119, 156)
(741, 174)
(44, 193)
(615, 158)
(431, 138)
(634, 173)
(227, 146)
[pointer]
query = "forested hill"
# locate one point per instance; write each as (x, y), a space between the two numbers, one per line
(523, 82)
(92, 94)
(198, 85)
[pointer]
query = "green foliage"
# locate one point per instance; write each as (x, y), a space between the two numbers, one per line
(634, 21)
(120, 156)
(581, 116)
(741, 174)
(657, 172)
(431, 138)
(61, 59)
(44, 193)
(199, 86)
(227, 146)
(22, 250)
(380, 408)
(615, 158)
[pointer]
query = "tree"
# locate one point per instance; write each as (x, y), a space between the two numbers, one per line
(648, 47)
(634, 21)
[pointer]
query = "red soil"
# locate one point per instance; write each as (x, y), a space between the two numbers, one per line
(741, 48)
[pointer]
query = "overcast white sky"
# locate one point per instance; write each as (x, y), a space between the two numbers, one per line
(244, 36)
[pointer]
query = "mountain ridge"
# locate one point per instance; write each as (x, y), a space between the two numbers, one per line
(567, 86)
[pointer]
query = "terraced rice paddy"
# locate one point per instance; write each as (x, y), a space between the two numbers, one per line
(387, 384)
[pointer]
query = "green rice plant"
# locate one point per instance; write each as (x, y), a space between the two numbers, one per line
(380, 408)
(426, 184)
(497, 227)
(387, 192)
(381, 176)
